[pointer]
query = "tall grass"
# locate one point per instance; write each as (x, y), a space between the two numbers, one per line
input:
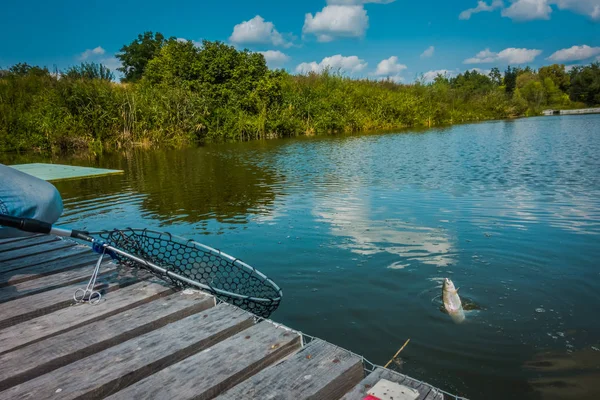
(44, 111)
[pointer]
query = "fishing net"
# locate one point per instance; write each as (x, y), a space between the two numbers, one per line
(186, 263)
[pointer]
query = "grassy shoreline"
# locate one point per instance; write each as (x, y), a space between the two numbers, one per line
(49, 114)
(215, 93)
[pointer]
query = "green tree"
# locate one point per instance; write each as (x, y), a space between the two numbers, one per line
(533, 92)
(135, 56)
(222, 64)
(554, 95)
(472, 82)
(510, 79)
(441, 79)
(519, 103)
(217, 69)
(558, 75)
(495, 76)
(175, 64)
(585, 84)
(525, 78)
(531, 89)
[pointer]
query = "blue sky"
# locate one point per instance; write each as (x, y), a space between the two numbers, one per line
(377, 38)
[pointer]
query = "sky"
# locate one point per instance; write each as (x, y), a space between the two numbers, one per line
(397, 39)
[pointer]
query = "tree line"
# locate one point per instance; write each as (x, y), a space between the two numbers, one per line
(175, 93)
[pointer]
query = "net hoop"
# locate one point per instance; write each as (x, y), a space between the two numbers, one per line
(187, 263)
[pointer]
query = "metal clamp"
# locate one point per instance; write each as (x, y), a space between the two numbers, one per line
(89, 294)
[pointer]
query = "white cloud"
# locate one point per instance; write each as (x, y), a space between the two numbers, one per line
(507, 56)
(257, 30)
(527, 10)
(428, 53)
(482, 6)
(98, 51)
(337, 21)
(358, 2)
(575, 53)
(484, 56)
(389, 67)
(305, 68)
(351, 64)
(275, 58)
(591, 8)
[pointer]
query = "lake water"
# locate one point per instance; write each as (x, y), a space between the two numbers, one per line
(360, 230)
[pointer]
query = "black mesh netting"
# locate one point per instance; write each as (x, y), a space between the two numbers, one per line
(227, 278)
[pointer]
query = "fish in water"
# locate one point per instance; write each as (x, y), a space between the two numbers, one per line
(452, 302)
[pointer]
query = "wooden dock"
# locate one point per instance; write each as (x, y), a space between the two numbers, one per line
(578, 111)
(145, 340)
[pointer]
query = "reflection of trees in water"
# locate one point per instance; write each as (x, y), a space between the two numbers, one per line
(188, 185)
(196, 184)
(566, 376)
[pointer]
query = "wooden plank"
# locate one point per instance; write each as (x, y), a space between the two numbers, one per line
(51, 282)
(83, 256)
(35, 259)
(60, 321)
(33, 306)
(319, 371)
(115, 368)
(28, 242)
(39, 249)
(216, 369)
(49, 354)
(17, 238)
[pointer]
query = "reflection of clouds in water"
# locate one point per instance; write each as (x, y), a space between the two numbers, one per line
(520, 207)
(580, 217)
(398, 265)
(350, 218)
(268, 215)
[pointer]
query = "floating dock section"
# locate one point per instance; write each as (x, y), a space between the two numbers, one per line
(58, 172)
